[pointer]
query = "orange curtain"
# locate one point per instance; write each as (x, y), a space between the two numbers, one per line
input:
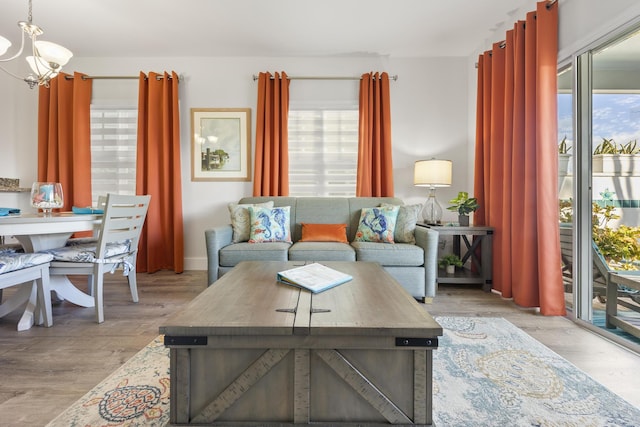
(516, 161)
(375, 164)
(158, 173)
(64, 137)
(271, 167)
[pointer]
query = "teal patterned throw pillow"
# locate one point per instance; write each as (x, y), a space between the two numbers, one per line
(241, 221)
(377, 224)
(269, 225)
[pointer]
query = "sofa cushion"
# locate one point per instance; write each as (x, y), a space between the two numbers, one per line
(406, 223)
(240, 219)
(321, 251)
(400, 254)
(231, 255)
(269, 225)
(377, 224)
(320, 210)
(324, 233)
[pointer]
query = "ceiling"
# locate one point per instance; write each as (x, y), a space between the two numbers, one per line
(274, 28)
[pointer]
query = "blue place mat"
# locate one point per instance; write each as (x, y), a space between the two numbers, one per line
(88, 210)
(9, 211)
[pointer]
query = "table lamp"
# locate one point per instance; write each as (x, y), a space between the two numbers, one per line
(432, 173)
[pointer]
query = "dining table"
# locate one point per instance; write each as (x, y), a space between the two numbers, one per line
(39, 231)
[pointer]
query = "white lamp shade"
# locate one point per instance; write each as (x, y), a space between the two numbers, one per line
(432, 173)
(4, 45)
(53, 53)
(40, 67)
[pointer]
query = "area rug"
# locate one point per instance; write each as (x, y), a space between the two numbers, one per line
(487, 372)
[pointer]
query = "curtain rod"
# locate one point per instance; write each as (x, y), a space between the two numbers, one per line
(159, 77)
(394, 78)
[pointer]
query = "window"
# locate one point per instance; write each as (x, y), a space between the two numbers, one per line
(113, 151)
(323, 151)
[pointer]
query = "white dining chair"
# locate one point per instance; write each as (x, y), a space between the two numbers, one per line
(9, 248)
(102, 202)
(26, 270)
(116, 247)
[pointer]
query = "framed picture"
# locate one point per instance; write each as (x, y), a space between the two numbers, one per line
(220, 144)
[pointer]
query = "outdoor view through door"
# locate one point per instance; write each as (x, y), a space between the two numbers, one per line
(610, 146)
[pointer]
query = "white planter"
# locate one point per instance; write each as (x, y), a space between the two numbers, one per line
(564, 160)
(616, 163)
(451, 269)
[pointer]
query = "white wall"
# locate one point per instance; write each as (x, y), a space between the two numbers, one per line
(18, 144)
(583, 22)
(429, 119)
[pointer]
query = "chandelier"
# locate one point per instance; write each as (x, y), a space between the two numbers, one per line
(46, 59)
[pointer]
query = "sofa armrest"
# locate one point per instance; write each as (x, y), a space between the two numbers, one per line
(216, 238)
(427, 239)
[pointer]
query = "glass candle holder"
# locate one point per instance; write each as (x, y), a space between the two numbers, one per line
(47, 196)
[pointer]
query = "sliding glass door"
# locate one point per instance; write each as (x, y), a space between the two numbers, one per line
(566, 151)
(599, 192)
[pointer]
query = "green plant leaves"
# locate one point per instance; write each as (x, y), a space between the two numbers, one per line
(450, 259)
(463, 204)
(609, 146)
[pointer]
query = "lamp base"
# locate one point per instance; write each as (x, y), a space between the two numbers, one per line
(432, 211)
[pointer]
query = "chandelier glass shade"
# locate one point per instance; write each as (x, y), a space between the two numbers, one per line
(46, 59)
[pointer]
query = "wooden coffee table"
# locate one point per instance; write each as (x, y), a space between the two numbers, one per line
(252, 350)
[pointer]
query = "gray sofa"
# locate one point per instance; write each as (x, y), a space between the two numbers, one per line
(414, 266)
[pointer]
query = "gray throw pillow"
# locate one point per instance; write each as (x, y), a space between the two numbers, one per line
(406, 223)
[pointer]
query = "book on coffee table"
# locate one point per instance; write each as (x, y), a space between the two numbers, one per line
(314, 277)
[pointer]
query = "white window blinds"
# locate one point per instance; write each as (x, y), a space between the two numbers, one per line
(113, 151)
(323, 152)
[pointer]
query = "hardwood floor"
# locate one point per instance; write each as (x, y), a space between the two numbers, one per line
(44, 370)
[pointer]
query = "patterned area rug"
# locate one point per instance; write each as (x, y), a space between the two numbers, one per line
(487, 372)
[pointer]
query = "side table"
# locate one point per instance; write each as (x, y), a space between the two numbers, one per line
(481, 266)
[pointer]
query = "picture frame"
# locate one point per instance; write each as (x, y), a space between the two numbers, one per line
(220, 144)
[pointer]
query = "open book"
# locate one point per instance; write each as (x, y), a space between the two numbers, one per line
(314, 277)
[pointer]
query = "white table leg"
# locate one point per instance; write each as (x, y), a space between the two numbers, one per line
(28, 293)
(63, 287)
(17, 299)
(38, 242)
(27, 320)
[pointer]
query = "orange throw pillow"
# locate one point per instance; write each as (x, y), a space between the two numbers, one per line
(324, 233)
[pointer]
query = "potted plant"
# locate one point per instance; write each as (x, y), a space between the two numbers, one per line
(450, 262)
(619, 246)
(464, 205)
(611, 157)
(563, 157)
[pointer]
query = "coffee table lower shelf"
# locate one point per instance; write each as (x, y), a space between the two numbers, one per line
(462, 275)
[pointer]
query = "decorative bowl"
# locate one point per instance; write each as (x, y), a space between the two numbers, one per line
(47, 196)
